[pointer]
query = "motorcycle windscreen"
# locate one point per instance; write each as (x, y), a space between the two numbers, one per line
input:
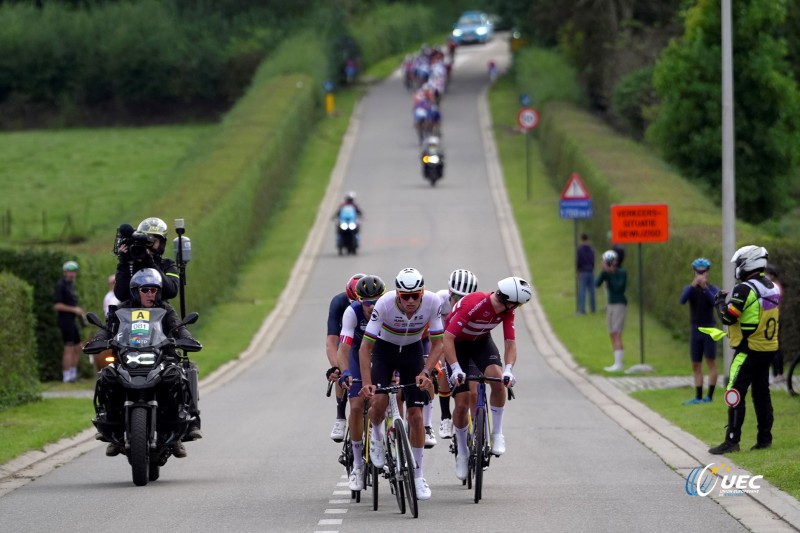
(140, 327)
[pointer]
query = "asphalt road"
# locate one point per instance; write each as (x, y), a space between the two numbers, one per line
(266, 462)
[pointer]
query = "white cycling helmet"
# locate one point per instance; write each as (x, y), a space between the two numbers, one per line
(463, 282)
(749, 259)
(409, 280)
(609, 256)
(514, 290)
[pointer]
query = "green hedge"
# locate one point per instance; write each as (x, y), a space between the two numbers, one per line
(617, 170)
(41, 269)
(19, 381)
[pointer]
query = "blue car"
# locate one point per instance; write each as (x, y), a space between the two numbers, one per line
(473, 27)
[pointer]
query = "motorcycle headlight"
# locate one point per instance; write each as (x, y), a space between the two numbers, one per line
(434, 159)
(135, 359)
(351, 226)
(343, 225)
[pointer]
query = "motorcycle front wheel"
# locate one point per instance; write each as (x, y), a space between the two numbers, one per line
(140, 451)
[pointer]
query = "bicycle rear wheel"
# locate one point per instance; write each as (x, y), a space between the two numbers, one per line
(405, 463)
(480, 451)
(793, 377)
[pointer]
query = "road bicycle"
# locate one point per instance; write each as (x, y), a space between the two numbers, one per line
(399, 467)
(347, 457)
(479, 438)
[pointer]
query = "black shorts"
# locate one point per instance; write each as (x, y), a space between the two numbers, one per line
(474, 357)
(69, 332)
(407, 360)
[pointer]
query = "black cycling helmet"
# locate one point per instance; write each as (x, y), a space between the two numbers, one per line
(146, 277)
(370, 288)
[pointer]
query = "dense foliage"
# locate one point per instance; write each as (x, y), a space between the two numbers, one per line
(19, 381)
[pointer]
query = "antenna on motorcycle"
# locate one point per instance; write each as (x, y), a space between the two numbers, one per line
(183, 254)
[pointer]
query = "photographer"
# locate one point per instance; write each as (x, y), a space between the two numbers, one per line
(143, 248)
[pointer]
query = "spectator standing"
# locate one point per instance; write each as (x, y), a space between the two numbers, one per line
(66, 305)
(584, 265)
(616, 280)
(109, 298)
(777, 364)
(701, 295)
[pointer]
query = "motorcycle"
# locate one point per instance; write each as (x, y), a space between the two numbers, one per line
(142, 398)
(347, 230)
(432, 160)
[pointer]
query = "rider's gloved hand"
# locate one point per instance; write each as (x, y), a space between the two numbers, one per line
(720, 297)
(508, 377)
(344, 380)
(457, 376)
(332, 371)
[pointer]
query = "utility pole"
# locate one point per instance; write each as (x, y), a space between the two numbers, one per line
(728, 164)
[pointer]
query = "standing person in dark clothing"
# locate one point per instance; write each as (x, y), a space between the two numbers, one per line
(66, 304)
(584, 266)
(752, 316)
(616, 280)
(701, 294)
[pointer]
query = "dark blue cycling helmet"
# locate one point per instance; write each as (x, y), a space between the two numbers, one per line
(701, 263)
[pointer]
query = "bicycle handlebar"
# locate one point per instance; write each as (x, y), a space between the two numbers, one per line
(330, 386)
(483, 379)
(393, 388)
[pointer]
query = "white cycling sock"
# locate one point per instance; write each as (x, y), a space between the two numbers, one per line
(497, 420)
(427, 414)
(377, 432)
(618, 357)
(461, 439)
(358, 453)
(417, 453)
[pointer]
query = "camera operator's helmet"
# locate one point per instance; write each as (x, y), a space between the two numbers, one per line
(370, 288)
(514, 290)
(609, 256)
(153, 226)
(350, 288)
(409, 280)
(701, 263)
(350, 196)
(463, 282)
(749, 259)
(146, 277)
(70, 266)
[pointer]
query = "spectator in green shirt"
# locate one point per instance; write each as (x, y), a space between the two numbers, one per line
(616, 280)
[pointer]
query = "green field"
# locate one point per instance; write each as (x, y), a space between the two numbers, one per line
(62, 183)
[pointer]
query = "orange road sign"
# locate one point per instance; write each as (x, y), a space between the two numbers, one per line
(634, 223)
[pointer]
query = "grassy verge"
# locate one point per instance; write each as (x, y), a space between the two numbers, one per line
(549, 245)
(778, 464)
(67, 173)
(551, 260)
(33, 425)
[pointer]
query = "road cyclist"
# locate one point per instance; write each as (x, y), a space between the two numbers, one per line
(336, 309)
(354, 322)
(460, 283)
(467, 338)
(392, 342)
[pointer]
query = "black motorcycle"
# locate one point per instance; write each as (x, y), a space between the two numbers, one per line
(142, 399)
(347, 231)
(432, 160)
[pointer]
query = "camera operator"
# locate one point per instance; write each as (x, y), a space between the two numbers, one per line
(144, 248)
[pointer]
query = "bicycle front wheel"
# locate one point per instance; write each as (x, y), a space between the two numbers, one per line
(405, 463)
(393, 466)
(480, 452)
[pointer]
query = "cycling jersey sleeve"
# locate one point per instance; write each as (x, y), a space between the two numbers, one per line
(509, 332)
(375, 322)
(436, 327)
(335, 312)
(349, 324)
(730, 314)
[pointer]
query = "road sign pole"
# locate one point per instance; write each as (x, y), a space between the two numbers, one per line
(641, 308)
(575, 251)
(528, 163)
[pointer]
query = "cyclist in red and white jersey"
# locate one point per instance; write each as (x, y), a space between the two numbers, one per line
(392, 342)
(468, 338)
(460, 283)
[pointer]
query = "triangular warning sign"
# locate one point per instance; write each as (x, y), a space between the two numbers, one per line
(575, 189)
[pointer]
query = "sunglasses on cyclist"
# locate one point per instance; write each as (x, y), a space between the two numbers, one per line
(148, 290)
(369, 302)
(410, 295)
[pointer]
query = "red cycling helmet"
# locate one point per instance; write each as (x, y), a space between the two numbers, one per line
(350, 288)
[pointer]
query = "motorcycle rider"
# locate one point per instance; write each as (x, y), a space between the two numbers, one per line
(145, 292)
(345, 212)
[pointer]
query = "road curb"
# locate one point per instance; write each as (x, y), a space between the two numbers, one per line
(770, 510)
(31, 465)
